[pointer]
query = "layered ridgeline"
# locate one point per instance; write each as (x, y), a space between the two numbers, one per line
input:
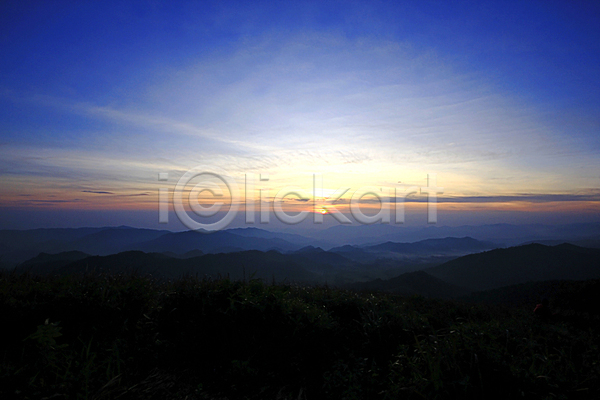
(49, 250)
(520, 264)
(458, 277)
(270, 265)
(495, 269)
(445, 270)
(17, 246)
(582, 234)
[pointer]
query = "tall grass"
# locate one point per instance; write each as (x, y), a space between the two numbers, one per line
(117, 336)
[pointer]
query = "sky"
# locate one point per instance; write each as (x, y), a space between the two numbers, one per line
(499, 101)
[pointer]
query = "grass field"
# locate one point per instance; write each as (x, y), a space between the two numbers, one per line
(122, 337)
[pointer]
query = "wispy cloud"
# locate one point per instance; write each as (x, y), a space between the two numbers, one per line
(362, 110)
(96, 192)
(590, 196)
(44, 201)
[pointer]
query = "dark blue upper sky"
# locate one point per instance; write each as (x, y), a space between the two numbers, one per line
(87, 49)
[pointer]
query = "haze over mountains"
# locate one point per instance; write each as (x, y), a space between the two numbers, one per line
(445, 267)
(500, 234)
(17, 246)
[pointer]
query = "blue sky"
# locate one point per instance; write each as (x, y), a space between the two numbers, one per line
(500, 99)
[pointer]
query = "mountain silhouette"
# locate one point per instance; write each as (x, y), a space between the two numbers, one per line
(423, 250)
(520, 264)
(434, 246)
(44, 263)
(112, 240)
(19, 246)
(240, 265)
(214, 242)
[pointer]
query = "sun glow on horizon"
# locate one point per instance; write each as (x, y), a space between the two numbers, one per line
(283, 93)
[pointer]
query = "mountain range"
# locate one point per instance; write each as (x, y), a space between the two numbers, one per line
(520, 264)
(496, 271)
(19, 246)
(448, 267)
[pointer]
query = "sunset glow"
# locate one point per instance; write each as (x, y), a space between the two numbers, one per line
(500, 101)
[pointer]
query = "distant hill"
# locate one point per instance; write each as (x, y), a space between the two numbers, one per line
(514, 265)
(264, 234)
(424, 250)
(214, 242)
(446, 245)
(44, 263)
(590, 242)
(19, 246)
(501, 234)
(318, 255)
(122, 263)
(261, 265)
(23, 239)
(355, 253)
(112, 240)
(413, 283)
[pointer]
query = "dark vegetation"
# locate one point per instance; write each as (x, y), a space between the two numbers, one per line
(581, 298)
(115, 336)
(413, 283)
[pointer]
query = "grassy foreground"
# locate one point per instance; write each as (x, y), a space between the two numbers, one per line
(122, 337)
